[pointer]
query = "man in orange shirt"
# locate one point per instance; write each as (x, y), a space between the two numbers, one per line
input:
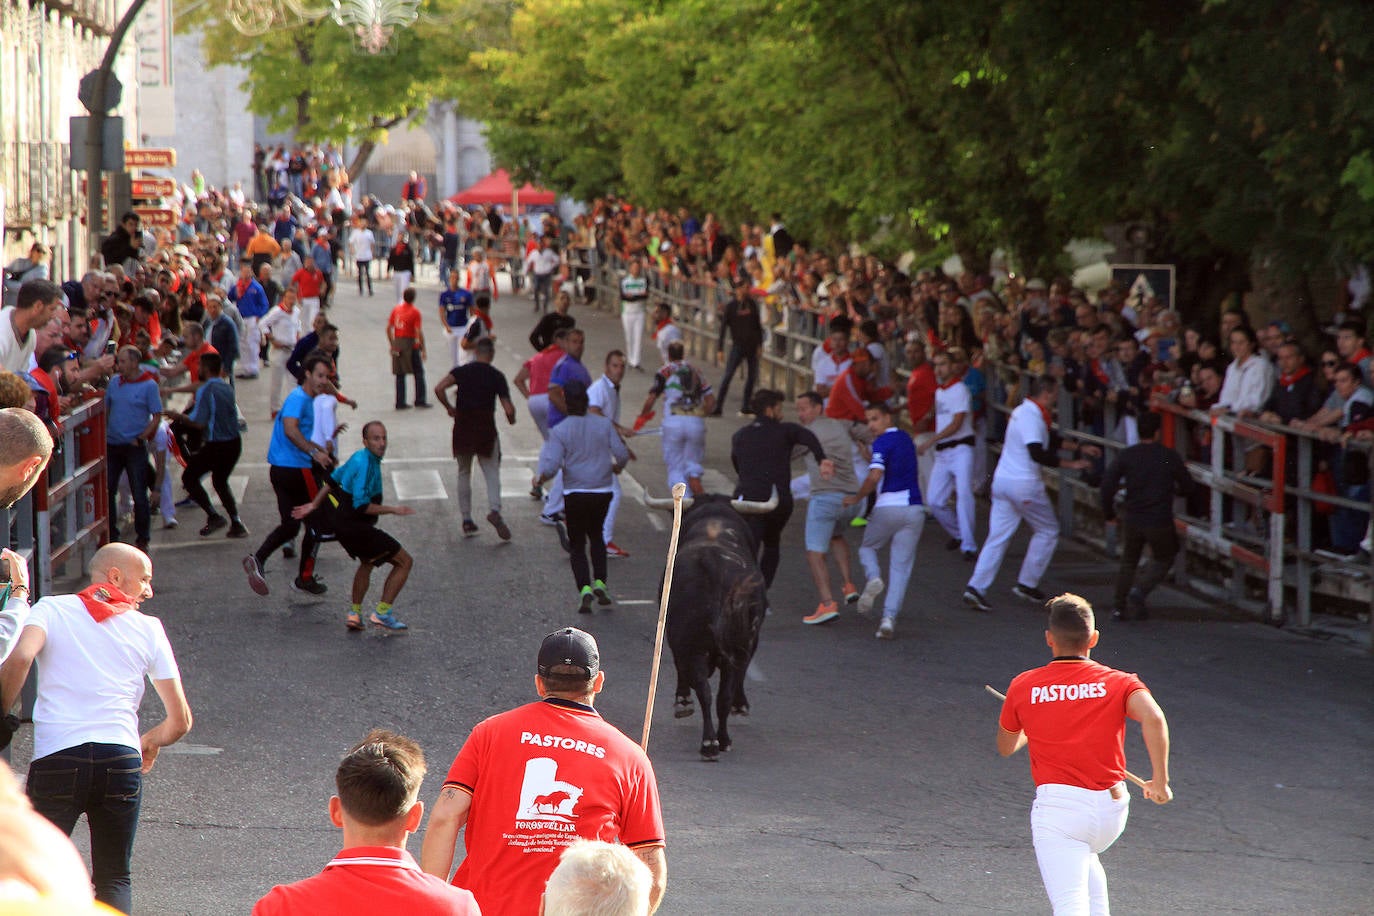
(407, 342)
(1072, 713)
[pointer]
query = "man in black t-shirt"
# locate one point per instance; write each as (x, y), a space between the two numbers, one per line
(479, 386)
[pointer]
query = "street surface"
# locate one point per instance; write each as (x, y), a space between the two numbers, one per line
(866, 779)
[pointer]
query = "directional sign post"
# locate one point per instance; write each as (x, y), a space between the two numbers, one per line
(153, 188)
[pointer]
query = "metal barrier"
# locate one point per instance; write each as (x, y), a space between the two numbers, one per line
(72, 511)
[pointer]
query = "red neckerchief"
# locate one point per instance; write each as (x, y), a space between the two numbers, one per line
(1360, 355)
(483, 317)
(1286, 380)
(1044, 412)
(144, 376)
(659, 326)
(951, 383)
(243, 285)
(283, 308)
(1095, 366)
(103, 601)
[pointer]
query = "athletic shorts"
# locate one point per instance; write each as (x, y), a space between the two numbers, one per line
(823, 513)
(368, 544)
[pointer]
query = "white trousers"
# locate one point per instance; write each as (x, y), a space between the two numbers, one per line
(248, 347)
(632, 320)
(924, 463)
(539, 412)
(608, 528)
(952, 474)
(402, 280)
(899, 529)
(310, 307)
(278, 375)
(1013, 501)
(1070, 827)
(684, 447)
(454, 338)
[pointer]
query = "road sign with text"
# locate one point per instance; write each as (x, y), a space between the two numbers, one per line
(153, 188)
(150, 158)
(159, 217)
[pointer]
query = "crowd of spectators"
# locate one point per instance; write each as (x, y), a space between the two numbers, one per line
(1118, 352)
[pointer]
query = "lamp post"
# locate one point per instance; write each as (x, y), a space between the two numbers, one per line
(99, 105)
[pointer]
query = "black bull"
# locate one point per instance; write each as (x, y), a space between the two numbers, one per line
(715, 611)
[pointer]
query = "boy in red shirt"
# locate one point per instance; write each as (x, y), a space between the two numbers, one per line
(1072, 713)
(378, 782)
(407, 342)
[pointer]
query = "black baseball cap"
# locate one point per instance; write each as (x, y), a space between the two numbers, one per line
(571, 647)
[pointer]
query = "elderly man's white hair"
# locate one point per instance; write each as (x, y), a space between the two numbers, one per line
(598, 879)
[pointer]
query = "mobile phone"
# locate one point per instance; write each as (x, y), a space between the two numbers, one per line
(111, 347)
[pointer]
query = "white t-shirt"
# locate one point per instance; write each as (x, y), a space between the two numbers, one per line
(665, 336)
(604, 396)
(282, 326)
(824, 369)
(950, 400)
(361, 243)
(91, 676)
(325, 407)
(542, 261)
(14, 353)
(1026, 425)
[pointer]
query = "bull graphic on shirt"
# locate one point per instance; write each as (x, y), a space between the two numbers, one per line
(545, 797)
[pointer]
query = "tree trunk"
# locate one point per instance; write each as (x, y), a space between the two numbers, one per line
(360, 159)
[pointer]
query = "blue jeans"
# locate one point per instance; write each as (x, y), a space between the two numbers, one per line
(132, 459)
(104, 782)
(1348, 525)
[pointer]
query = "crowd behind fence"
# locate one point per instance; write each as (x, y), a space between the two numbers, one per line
(1252, 539)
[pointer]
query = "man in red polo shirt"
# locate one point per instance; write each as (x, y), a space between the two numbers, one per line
(407, 343)
(1072, 713)
(378, 781)
(530, 781)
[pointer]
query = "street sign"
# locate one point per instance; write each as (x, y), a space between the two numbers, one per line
(159, 217)
(153, 188)
(150, 158)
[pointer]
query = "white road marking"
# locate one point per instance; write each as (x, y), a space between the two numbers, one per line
(634, 490)
(413, 485)
(514, 481)
(194, 750)
(637, 601)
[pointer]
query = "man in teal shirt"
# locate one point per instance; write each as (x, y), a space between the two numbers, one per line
(352, 498)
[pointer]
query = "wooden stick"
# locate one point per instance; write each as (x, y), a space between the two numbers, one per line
(1129, 775)
(679, 491)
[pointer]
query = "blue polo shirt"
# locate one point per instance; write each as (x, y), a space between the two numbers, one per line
(895, 455)
(129, 407)
(566, 370)
(281, 451)
(455, 303)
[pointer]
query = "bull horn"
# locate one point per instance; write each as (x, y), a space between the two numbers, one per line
(754, 507)
(665, 502)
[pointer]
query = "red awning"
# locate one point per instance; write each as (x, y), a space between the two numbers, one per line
(496, 189)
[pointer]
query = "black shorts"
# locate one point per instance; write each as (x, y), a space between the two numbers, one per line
(367, 544)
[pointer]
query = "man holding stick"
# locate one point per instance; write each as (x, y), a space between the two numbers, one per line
(1072, 713)
(527, 783)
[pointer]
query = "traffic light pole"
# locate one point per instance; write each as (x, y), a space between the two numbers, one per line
(95, 134)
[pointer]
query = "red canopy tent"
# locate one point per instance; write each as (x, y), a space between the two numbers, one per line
(496, 189)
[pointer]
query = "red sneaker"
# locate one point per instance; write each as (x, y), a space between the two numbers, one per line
(614, 550)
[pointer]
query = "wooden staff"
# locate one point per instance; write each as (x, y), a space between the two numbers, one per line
(1129, 775)
(679, 491)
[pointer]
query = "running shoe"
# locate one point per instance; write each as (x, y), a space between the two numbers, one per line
(469, 528)
(970, 555)
(236, 530)
(563, 540)
(952, 544)
(386, 621)
(256, 581)
(615, 550)
(499, 523)
(851, 593)
(312, 586)
(354, 621)
(872, 589)
(550, 520)
(974, 599)
(536, 493)
(859, 522)
(1028, 593)
(289, 551)
(884, 629)
(213, 524)
(825, 612)
(603, 597)
(585, 600)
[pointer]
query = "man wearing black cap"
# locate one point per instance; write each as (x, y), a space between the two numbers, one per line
(529, 782)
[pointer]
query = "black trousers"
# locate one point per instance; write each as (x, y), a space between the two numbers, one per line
(767, 530)
(216, 459)
(1163, 544)
(585, 515)
(294, 487)
(417, 369)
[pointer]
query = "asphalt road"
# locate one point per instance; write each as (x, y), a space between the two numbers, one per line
(866, 779)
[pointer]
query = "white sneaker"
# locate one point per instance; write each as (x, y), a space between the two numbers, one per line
(872, 589)
(884, 629)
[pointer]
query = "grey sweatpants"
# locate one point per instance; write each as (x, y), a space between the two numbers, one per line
(491, 473)
(899, 529)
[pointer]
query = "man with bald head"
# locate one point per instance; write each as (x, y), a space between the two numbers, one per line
(25, 447)
(94, 651)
